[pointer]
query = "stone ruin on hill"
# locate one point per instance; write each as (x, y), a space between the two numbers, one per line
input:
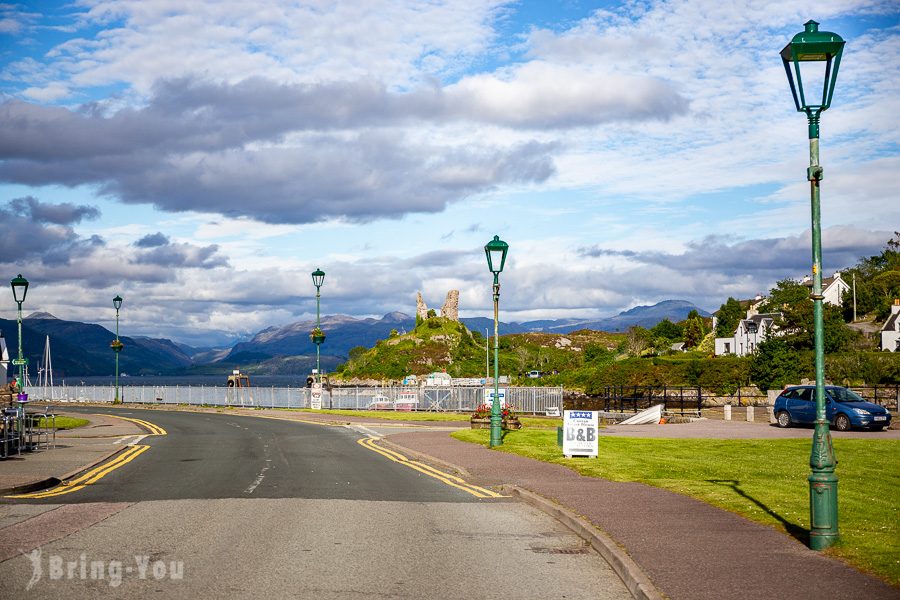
(450, 310)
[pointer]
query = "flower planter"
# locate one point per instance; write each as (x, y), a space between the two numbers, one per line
(485, 423)
(317, 338)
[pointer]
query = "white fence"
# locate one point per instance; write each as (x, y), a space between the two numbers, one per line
(461, 399)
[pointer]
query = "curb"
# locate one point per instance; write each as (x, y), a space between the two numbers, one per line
(49, 482)
(629, 572)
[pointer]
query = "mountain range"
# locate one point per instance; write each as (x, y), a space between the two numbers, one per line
(82, 349)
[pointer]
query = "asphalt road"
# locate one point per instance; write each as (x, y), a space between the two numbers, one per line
(213, 455)
(244, 507)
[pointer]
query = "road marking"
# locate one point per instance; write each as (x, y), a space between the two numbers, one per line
(137, 438)
(154, 429)
(257, 481)
(90, 477)
(451, 480)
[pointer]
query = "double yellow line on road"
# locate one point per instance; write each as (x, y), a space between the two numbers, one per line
(451, 480)
(92, 476)
(97, 473)
(153, 429)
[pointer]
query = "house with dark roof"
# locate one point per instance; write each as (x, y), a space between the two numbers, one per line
(890, 332)
(833, 288)
(750, 332)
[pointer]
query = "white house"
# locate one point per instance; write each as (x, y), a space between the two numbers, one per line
(749, 334)
(833, 288)
(890, 333)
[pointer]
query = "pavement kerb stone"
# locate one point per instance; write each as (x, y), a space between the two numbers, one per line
(424, 457)
(52, 481)
(629, 572)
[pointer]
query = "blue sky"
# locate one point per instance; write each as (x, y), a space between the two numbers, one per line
(202, 158)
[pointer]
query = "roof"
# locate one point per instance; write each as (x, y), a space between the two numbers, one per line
(891, 323)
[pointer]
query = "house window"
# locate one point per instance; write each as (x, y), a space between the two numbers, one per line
(728, 348)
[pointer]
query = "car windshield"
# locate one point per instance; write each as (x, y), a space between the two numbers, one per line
(845, 395)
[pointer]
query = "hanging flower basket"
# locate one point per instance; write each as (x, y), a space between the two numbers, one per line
(317, 336)
(116, 345)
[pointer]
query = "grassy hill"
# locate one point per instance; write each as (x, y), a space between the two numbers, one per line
(439, 344)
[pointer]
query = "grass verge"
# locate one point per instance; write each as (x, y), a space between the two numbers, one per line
(65, 422)
(762, 480)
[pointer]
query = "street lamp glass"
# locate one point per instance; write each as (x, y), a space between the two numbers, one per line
(20, 288)
(117, 302)
(815, 56)
(318, 277)
(496, 250)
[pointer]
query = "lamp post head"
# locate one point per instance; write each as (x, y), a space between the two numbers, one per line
(813, 46)
(20, 288)
(496, 250)
(318, 277)
(117, 302)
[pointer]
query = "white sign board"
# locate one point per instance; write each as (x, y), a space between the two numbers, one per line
(489, 396)
(315, 398)
(580, 433)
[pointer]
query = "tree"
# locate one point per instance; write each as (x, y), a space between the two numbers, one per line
(637, 340)
(694, 332)
(668, 330)
(785, 293)
(728, 317)
(799, 328)
(431, 313)
(776, 363)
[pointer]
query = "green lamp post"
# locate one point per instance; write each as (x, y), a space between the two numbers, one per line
(318, 336)
(20, 289)
(818, 55)
(117, 344)
(496, 250)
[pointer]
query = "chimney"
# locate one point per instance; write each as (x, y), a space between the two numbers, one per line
(895, 308)
(807, 279)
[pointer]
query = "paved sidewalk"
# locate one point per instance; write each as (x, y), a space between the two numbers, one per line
(689, 549)
(76, 450)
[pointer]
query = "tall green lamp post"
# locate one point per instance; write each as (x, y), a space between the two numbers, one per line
(496, 250)
(818, 55)
(318, 336)
(117, 344)
(20, 289)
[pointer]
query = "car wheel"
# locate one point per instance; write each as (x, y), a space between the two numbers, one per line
(842, 423)
(784, 419)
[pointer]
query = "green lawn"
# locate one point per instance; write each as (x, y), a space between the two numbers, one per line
(65, 422)
(763, 480)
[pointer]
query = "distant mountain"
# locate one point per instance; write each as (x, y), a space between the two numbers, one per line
(342, 333)
(82, 349)
(641, 316)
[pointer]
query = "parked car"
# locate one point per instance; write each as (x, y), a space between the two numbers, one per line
(534, 374)
(844, 408)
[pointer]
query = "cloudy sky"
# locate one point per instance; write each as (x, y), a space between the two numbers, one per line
(202, 158)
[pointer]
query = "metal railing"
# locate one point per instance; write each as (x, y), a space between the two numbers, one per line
(436, 399)
(692, 399)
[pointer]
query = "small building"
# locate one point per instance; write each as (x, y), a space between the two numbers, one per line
(890, 332)
(438, 378)
(750, 332)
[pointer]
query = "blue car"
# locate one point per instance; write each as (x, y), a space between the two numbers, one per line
(844, 408)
